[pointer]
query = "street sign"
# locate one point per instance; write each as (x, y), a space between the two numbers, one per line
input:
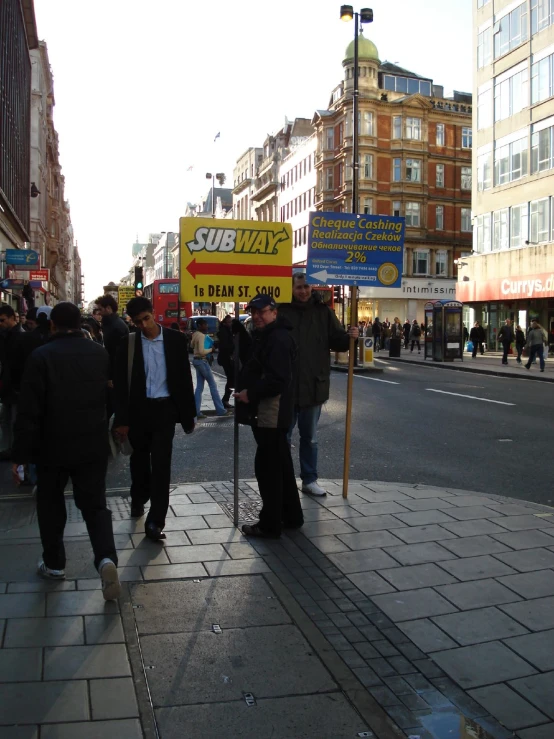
(224, 260)
(35, 275)
(22, 257)
(355, 249)
(124, 294)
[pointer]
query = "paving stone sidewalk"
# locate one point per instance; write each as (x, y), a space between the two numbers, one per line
(405, 611)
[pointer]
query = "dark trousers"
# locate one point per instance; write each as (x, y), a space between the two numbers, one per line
(275, 475)
(150, 462)
(477, 345)
(229, 368)
(415, 341)
(89, 493)
(519, 348)
(506, 346)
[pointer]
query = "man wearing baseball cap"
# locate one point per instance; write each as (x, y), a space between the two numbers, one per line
(265, 401)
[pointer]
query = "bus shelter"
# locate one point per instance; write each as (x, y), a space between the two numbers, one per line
(443, 331)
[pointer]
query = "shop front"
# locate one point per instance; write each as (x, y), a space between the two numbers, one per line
(405, 302)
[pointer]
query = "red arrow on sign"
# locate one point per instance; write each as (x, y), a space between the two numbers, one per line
(237, 270)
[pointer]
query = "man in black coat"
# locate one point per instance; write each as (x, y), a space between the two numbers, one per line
(11, 334)
(152, 394)
(61, 426)
(114, 329)
(225, 357)
(506, 336)
(477, 336)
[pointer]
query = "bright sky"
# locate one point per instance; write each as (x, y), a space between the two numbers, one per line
(143, 87)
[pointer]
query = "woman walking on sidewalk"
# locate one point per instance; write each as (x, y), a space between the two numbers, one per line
(202, 348)
(536, 339)
(415, 334)
(520, 342)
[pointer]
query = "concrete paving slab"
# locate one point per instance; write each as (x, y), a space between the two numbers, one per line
(169, 572)
(415, 554)
(331, 501)
(465, 500)
(172, 539)
(477, 568)
(113, 698)
(419, 534)
(418, 576)
(316, 513)
(126, 729)
(104, 629)
(197, 509)
(198, 498)
(481, 625)
(512, 509)
(78, 604)
(528, 539)
(324, 528)
(427, 504)
(18, 732)
(470, 513)
(474, 546)
(412, 604)
(214, 536)
(340, 511)
(424, 518)
(508, 707)
(477, 594)
(190, 523)
(330, 544)
(21, 565)
(380, 509)
(536, 615)
(20, 665)
(427, 636)
(375, 523)
(231, 665)
(538, 649)
(240, 550)
(126, 574)
(236, 602)
(142, 556)
(43, 703)
(40, 586)
(369, 540)
(482, 664)
(519, 523)
(81, 663)
(362, 561)
(537, 689)
(425, 492)
(532, 584)
(24, 605)
(197, 553)
(546, 731)
(220, 521)
(44, 632)
(476, 527)
(370, 583)
(371, 496)
(237, 567)
(528, 560)
(299, 717)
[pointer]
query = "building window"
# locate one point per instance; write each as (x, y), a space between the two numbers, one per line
(368, 167)
(519, 225)
(440, 134)
(510, 31)
(500, 229)
(542, 14)
(365, 123)
(329, 179)
(511, 94)
(466, 219)
(542, 149)
(348, 171)
(441, 263)
(510, 161)
(484, 47)
(484, 106)
(439, 218)
(407, 85)
(439, 175)
(413, 214)
(329, 139)
(542, 79)
(539, 220)
(396, 208)
(396, 170)
(413, 128)
(484, 168)
(483, 233)
(481, 3)
(413, 170)
(466, 178)
(368, 206)
(397, 127)
(467, 138)
(341, 174)
(420, 262)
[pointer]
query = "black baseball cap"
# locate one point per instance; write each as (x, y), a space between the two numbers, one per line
(262, 301)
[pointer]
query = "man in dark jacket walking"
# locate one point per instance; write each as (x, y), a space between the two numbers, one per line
(225, 357)
(114, 329)
(61, 426)
(506, 337)
(477, 336)
(316, 331)
(266, 402)
(153, 392)
(11, 334)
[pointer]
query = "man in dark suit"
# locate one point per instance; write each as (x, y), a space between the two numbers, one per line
(153, 392)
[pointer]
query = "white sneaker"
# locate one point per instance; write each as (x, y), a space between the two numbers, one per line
(313, 488)
(111, 589)
(48, 573)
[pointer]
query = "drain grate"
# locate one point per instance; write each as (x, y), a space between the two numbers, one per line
(120, 508)
(249, 511)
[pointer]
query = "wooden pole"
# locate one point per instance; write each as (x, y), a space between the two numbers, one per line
(350, 385)
(236, 428)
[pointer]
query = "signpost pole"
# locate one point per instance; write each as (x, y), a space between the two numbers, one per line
(348, 422)
(236, 359)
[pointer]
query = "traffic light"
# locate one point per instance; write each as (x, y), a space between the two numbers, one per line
(139, 282)
(337, 294)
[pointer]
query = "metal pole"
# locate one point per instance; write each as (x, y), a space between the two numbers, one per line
(179, 293)
(236, 359)
(355, 127)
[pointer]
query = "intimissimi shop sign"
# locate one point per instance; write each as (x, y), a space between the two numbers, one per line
(507, 288)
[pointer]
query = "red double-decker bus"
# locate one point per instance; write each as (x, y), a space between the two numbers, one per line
(164, 295)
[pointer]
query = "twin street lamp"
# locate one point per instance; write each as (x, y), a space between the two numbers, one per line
(220, 177)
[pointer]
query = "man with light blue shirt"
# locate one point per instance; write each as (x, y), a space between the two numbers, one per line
(153, 392)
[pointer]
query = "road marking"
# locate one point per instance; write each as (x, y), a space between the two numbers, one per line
(471, 397)
(375, 379)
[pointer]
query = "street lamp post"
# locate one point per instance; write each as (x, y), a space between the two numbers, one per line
(220, 177)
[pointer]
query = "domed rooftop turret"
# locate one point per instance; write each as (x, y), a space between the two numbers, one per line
(366, 49)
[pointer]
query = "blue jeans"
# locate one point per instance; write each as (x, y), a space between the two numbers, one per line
(307, 419)
(536, 351)
(204, 373)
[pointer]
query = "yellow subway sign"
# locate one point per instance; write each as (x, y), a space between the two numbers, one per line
(124, 294)
(233, 261)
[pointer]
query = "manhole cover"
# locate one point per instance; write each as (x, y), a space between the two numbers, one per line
(120, 508)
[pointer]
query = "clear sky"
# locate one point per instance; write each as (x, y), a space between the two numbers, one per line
(143, 87)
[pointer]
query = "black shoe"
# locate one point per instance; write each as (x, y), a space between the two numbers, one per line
(228, 405)
(137, 510)
(255, 530)
(153, 532)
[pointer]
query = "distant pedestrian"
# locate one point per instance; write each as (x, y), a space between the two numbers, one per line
(202, 349)
(520, 342)
(477, 337)
(506, 336)
(31, 322)
(114, 329)
(407, 328)
(11, 334)
(465, 334)
(225, 353)
(153, 392)
(537, 338)
(385, 335)
(61, 426)
(376, 330)
(397, 330)
(415, 335)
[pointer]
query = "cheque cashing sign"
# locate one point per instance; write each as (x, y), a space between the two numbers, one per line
(234, 261)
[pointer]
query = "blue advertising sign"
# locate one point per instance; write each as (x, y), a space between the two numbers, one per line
(22, 257)
(355, 249)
